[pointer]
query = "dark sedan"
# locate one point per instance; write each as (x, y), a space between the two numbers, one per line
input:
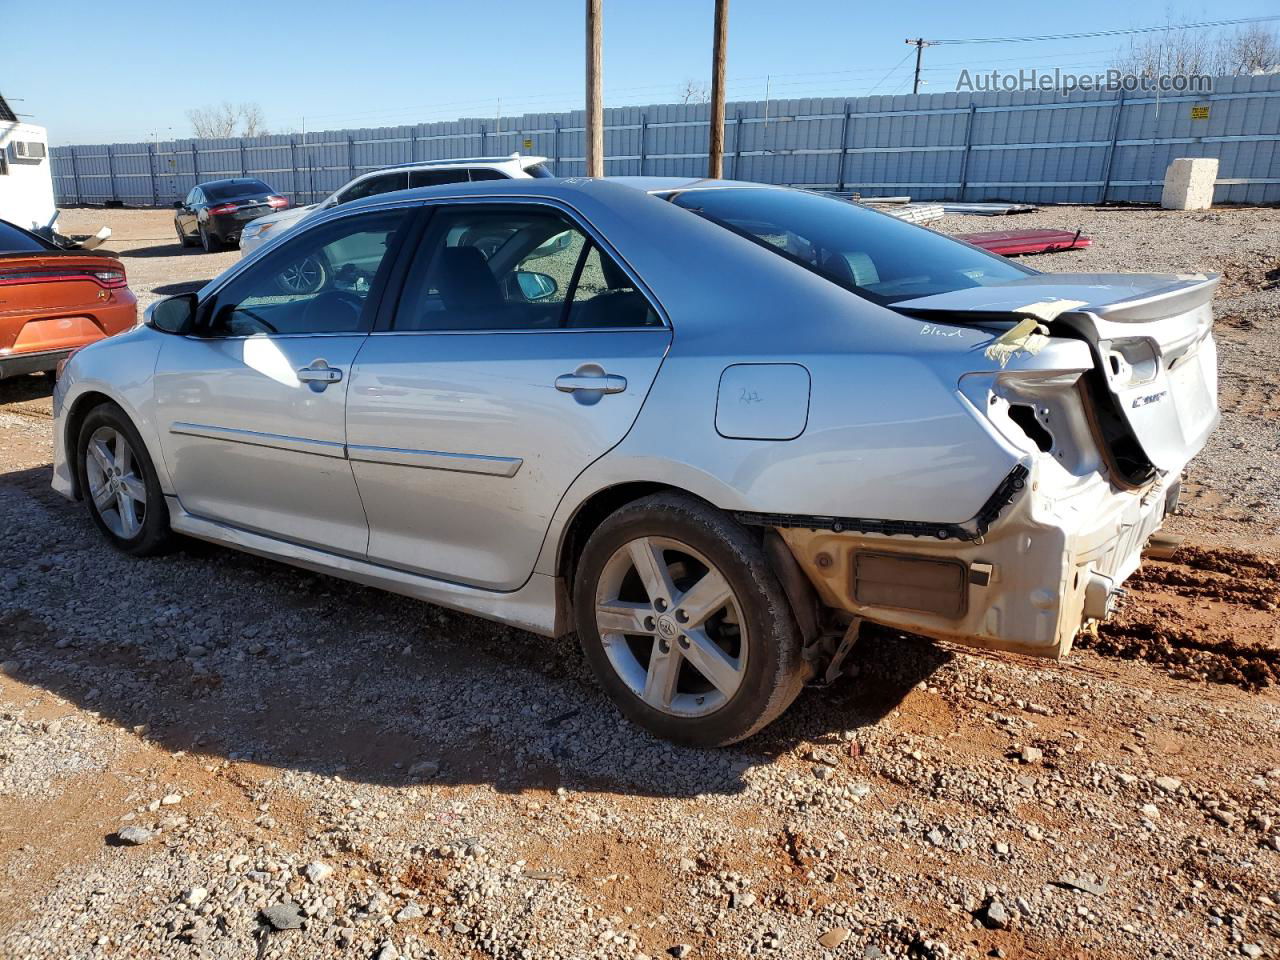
(214, 213)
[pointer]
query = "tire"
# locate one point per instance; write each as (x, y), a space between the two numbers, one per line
(183, 239)
(133, 515)
(750, 642)
(210, 243)
(304, 277)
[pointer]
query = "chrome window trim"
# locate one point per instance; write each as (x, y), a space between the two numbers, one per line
(524, 332)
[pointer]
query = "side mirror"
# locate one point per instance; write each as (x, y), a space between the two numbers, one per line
(172, 315)
(177, 204)
(536, 286)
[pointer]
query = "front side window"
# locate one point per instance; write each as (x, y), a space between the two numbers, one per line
(384, 183)
(315, 283)
(525, 267)
(871, 254)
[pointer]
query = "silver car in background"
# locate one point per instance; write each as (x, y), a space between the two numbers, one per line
(710, 426)
(404, 176)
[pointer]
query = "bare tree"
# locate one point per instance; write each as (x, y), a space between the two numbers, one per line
(694, 91)
(252, 121)
(223, 120)
(1172, 52)
(1252, 50)
(1255, 49)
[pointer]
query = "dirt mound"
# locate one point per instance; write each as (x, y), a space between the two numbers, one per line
(1205, 614)
(1254, 270)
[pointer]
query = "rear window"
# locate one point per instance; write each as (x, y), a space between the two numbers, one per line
(874, 255)
(539, 170)
(241, 188)
(15, 240)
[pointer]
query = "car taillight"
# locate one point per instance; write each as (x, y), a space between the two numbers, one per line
(224, 208)
(278, 203)
(110, 278)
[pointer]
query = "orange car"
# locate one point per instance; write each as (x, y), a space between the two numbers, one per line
(53, 301)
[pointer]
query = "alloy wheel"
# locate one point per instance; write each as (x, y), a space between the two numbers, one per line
(671, 627)
(305, 276)
(117, 489)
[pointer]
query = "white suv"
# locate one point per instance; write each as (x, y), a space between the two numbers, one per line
(422, 173)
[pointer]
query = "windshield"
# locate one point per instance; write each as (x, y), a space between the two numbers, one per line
(871, 254)
(16, 240)
(235, 188)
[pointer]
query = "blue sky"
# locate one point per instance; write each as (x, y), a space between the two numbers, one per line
(379, 63)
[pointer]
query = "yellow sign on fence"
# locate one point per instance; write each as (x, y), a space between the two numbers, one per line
(1199, 113)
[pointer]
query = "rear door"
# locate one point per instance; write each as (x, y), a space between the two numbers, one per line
(520, 352)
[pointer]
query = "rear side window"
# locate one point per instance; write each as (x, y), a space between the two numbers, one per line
(16, 240)
(874, 255)
(436, 178)
(241, 188)
(485, 267)
(486, 174)
(538, 170)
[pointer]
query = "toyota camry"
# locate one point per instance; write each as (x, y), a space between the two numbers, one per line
(711, 427)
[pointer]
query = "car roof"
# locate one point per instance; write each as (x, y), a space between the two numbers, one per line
(564, 188)
(524, 161)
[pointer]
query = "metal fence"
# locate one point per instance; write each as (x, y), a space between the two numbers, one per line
(1038, 147)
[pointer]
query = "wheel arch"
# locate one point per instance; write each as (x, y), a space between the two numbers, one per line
(84, 404)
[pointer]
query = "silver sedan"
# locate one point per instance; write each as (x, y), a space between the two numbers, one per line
(712, 427)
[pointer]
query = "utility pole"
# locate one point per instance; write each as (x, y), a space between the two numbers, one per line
(595, 94)
(920, 43)
(715, 153)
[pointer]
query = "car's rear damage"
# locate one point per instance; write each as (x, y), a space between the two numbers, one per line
(1104, 441)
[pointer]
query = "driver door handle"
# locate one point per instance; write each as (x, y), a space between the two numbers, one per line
(319, 372)
(604, 383)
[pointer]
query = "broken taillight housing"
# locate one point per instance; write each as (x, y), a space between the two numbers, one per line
(277, 203)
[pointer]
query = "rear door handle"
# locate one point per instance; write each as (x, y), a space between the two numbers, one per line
(319, 374)
(602, 383)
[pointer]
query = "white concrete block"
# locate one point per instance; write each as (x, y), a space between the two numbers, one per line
(1188, 183)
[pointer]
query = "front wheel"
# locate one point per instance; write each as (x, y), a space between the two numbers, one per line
(685, 624)
(119, 482)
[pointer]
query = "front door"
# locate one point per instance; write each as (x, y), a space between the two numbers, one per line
(519, 353)
(252, 407)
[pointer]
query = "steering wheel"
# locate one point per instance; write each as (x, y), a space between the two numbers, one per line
(333, 311)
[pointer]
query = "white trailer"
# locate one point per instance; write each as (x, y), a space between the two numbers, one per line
(26, 174)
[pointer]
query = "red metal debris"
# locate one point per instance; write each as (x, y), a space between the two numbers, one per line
(1013, 243)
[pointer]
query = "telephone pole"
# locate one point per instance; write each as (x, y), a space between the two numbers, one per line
(920, 43)
(715, 153)
(595, 94)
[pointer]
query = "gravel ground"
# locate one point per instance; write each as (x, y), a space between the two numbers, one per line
(212, 755)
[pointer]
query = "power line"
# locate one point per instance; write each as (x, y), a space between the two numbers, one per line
(1113, 33)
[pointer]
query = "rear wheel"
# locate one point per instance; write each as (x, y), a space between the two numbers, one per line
(120, 485)
(684, 622)
(210, 243)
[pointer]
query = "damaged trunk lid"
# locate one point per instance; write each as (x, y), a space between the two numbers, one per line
(1153, 391)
